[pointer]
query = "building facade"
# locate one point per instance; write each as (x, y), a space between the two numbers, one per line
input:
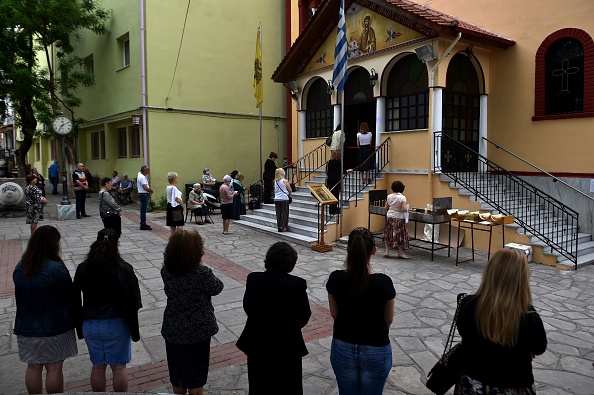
(173, 88)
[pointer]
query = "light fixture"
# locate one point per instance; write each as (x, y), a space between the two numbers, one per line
(372, 77)
(136, 119)
(330, 88)
(293, 87)
(469, 52)
(425, 53)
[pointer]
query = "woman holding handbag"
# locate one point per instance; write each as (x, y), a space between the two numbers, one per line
(362, 306)
(500, 329)
(175, 205)
(109, 211)
(282, 198)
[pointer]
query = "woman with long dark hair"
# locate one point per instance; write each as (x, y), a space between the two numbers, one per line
(109, 211)
(362, 306)
(500, 329)
(107, 314)
(188, 321)
(44, 325)
(34, 202)
(277, 308)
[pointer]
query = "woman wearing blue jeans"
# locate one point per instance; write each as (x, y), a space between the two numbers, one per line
(362, 305)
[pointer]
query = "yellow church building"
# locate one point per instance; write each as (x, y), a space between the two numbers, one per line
(489, 102)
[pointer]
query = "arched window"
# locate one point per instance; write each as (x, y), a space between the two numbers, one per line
(407, 95)
(564, 79)
(319, 114)
(564, 68)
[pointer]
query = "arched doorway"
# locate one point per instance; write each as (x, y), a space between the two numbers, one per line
(359, 106)
(461, 116)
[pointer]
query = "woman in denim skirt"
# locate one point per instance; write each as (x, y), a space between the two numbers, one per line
(362, 306)
(107, 315)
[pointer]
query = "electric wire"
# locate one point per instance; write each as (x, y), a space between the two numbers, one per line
(179, 49)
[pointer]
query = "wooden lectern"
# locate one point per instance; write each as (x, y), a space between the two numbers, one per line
(324, 197)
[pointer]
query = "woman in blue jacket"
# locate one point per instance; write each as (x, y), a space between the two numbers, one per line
(44, 325)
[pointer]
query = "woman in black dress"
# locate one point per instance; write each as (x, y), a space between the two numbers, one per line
(34, 202)
(269, 169)
(277, 308)
(333, 179)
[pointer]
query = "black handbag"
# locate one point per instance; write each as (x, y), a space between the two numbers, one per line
(110, 212)
(329, 141)
(447, 371)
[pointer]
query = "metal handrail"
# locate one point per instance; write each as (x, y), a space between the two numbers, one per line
(524, 196)
(555, 179)
(380, 157)
(299, 170)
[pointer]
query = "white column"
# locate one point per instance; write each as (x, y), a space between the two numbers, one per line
(483, 131)
(336, 116)
(436, 124)
(380, 118)
(301, 126)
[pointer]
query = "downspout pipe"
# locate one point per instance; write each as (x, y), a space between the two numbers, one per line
(143, 81)
(445, 55)
(431, 140)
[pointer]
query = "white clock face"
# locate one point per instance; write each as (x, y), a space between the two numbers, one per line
(62, 125)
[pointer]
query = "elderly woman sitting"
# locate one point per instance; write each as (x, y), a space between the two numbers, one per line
(197, 204)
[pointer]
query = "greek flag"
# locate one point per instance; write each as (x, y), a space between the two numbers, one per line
(339, 76)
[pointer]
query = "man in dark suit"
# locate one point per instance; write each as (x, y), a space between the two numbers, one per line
(277, 308)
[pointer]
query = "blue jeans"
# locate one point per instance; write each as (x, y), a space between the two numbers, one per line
(360, 369)
(143, 198)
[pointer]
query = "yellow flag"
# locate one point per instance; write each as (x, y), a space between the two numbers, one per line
(258, 84)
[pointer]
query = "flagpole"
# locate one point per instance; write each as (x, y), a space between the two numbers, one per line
(259, 56)
(342, 189)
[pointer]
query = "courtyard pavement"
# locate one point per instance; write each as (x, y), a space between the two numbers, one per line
(425, 302)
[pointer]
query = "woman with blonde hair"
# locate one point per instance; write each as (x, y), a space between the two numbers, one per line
(500, 329)
(175, 204)
(282, 193)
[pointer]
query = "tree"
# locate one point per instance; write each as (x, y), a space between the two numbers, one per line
(32, 30)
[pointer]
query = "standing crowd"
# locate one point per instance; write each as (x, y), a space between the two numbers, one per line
(500, 329)
(499, 320)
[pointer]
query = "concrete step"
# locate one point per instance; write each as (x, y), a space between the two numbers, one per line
(582, 260)
(298, 215)
(294, 227)
(290, 236)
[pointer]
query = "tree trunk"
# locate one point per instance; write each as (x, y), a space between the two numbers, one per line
(28, 125)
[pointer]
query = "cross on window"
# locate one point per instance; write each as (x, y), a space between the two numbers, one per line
(468, 156)
(564, 72)
(448, 155)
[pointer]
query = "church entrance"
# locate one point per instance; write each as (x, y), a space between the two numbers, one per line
(360, 106)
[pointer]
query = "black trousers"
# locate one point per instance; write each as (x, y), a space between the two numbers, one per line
(81, 197)
(114, 223)
(268, 190)
(273, 375)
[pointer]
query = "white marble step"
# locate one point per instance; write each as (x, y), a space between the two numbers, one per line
(290, 236)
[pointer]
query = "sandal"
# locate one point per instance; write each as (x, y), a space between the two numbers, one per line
(403, 257)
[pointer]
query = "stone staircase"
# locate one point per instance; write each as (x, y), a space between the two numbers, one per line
(531, 212)
(303, 215)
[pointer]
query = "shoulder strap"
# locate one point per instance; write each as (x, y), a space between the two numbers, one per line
(279, 187)
(450, 340)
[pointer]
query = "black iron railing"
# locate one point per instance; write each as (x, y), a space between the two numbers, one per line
(354, 182)
(301, 169)
(538, 213)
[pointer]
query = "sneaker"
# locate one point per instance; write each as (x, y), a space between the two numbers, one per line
(199, 223)
(207, 221)
(145, 227)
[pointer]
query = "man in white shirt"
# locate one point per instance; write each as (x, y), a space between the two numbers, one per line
(144, 195)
